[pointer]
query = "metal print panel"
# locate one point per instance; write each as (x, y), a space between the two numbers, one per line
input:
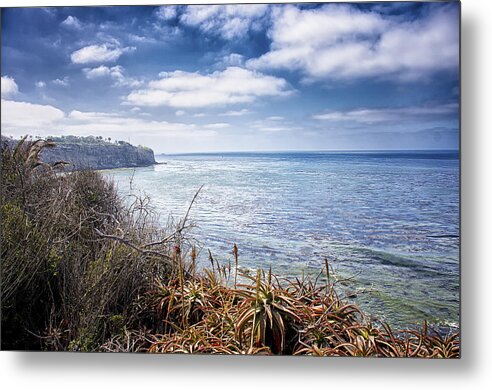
(273, 179)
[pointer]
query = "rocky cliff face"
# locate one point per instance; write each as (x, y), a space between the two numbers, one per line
(99, 156)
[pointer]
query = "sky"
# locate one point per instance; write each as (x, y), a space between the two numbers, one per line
(346, 76)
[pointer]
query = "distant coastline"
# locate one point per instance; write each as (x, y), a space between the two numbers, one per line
(94, 153)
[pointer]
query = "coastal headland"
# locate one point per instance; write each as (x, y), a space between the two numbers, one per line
(95, 153)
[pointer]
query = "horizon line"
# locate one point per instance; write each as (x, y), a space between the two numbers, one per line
(309, 151)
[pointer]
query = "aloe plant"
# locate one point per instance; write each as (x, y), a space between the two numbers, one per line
(267, 311)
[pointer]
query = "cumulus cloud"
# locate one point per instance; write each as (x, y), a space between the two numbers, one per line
(232, 59)
(167, 12)
(87, 123)
(274, 124)
(91, 115)
(99, 53)
(228, 21)
(94, 73)
(184, 89)
(242, 112)
(40, 84)
(116, 73)
(61, 82)
(141, 38)
(392, 115)
(72, 22)
(175, 136)
(9, 87)
(343, 42)
(276, 129)
(216, 126)
(19, 118)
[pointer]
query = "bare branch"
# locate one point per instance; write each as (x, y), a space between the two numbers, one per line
(168, 237)
(189, 208)
(133, 246)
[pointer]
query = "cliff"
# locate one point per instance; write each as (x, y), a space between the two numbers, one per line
(94, 153)
(100, 156)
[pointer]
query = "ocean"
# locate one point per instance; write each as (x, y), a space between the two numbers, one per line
(388, 222)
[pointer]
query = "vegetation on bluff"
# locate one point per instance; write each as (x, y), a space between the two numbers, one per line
(63, 285)
(82, 271)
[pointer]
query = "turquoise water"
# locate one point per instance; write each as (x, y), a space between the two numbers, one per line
(387, 222)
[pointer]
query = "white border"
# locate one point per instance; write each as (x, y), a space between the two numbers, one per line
(85, 371)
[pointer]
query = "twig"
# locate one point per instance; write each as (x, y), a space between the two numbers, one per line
(182, 226)
(133, 246)
(131, 180)
(167, 238)
(189, 207)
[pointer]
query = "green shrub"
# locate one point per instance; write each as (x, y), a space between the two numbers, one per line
(65, 273)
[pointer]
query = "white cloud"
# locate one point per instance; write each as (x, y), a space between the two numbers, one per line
(180, 113)
(72, 22)
(8, 86)
(20, 118)
(275, 129)
(173, 136)
(98, 53)
(61, 82)
(165, 32)
(185, 89)
(40, 84)
(141, 38)
(116, 73)
(242, 112)
(91, 115)
(120, 125)
(392, 115)
(233, 59)
(228, 21)
(94, 73)
(216, 126)
(273, 124)
(167, 12)
(106, 37)
(342, 42)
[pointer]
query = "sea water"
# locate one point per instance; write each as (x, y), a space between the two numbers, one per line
(388, 222)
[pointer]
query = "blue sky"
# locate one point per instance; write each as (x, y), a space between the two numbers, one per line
(236, 77)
